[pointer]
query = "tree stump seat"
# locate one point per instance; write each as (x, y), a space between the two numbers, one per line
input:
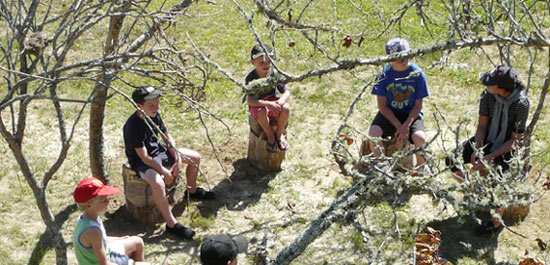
(139, 196)
(513, 214)
(258, 156)
(391, 147)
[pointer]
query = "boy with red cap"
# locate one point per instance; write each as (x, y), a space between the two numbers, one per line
(91, 243)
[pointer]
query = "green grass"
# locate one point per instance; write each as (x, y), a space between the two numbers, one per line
(309, 177)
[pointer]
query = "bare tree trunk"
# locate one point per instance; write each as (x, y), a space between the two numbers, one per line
(536, 116)
(97, 110)
(38, 191)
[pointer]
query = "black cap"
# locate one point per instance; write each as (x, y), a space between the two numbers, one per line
(219, 249)
(141, 94)
(502, 76)
(257, 51)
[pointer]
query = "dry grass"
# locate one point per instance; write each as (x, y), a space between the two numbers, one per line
(249, 202)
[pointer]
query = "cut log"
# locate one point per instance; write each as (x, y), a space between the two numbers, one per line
(516, 213)
(139, 197)
(390, 148)
(258, 156)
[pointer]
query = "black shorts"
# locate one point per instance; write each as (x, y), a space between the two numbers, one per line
(468, 150)
(165, 159)
(388, 130)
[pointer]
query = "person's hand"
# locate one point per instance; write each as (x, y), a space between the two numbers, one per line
(175, 169)
(274, 107)
(280, 102)
(167, 176)
(478, 164)
(474, 160)
(402, 133)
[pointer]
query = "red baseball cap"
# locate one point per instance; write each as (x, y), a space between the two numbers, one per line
(92, 187)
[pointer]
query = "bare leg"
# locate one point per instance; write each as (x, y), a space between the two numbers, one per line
(192, 159)
(281, 125)
(375, 131)
(133, 246)
(282, 120)
(159, 196)
(263, 120)
(419, 138)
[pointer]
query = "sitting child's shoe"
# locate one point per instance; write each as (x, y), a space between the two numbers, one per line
(180, 231)
(200, 194)
(488, 228)
(283, 143)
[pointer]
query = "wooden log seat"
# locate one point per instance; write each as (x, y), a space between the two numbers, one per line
(515, 214)
(390, 148)
(139, 196)
(258, 156)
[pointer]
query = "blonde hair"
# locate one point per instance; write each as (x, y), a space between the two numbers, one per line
(82, 205)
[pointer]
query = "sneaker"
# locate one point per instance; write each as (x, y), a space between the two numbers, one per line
(180, 231)
(200, 194)
(488, 228)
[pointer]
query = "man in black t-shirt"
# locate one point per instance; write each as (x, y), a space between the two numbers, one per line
(156, 163)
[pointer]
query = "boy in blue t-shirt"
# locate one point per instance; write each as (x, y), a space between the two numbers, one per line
(400, 89)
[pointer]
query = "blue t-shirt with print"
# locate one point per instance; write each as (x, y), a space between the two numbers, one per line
(401, 89)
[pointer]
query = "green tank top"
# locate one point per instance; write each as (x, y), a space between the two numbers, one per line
(84, 255)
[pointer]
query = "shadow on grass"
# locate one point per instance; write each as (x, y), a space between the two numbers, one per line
(244, 187)
(45, 242)
(458, 240)
(122, 223)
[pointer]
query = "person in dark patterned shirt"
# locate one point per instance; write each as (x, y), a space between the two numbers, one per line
(503, 112)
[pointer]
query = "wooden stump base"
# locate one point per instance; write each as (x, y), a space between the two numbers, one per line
(139, 197)
(515, 214)
(390, 148)
(258, 156)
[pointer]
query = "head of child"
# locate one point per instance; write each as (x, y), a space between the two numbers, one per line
(222, 249)
(396, 46)
(260, 59)
(147, 99)
(91, 195)
(502, 80)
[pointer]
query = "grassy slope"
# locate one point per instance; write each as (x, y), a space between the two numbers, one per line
(252, 203)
